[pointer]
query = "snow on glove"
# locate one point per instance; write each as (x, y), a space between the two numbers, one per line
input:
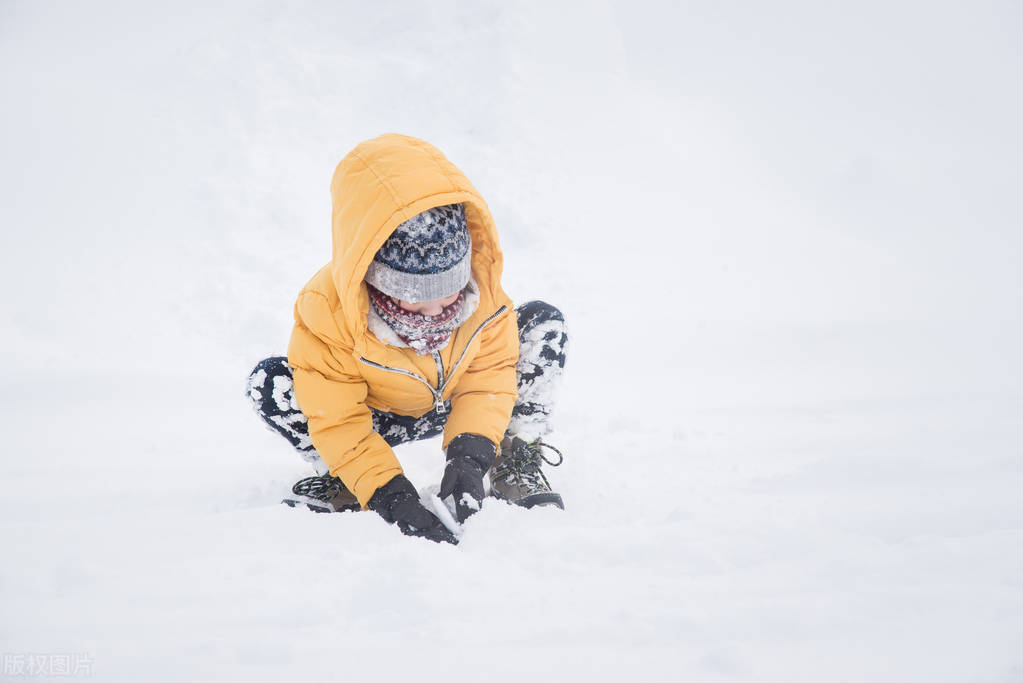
(469, 456)
(397, 502)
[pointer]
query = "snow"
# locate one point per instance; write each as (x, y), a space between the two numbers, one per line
(786, 242)
(444, 513)
(470, 502)
(543, 389)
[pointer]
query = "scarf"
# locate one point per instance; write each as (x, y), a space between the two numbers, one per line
(423, 333)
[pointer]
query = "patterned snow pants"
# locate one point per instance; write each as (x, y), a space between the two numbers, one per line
(542, 343)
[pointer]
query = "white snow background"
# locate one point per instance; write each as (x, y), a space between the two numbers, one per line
(786, 236)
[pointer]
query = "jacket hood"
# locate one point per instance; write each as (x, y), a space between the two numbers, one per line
(384, 182)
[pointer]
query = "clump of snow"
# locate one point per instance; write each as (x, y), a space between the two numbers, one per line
(444, 513)
(468, 501)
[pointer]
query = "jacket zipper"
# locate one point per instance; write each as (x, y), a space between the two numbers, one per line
(438, 402)
(436, 396)
(479, 329)
(438, 392)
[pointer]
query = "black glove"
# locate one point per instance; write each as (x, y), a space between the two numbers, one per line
(469, 456)
(397, 502)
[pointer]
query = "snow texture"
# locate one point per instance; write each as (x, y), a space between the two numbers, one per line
(542, 351)
(468, 501)
(786, 239)
(444, 513)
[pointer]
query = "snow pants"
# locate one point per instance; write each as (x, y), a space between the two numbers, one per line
(542, 343)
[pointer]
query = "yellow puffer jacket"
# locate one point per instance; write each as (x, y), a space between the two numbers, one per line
(342, 370)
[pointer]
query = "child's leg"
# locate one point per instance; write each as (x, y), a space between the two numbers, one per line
(542, 342)
(272, 393)
(517, 474)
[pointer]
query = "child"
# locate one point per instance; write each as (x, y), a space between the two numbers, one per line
(406, 334)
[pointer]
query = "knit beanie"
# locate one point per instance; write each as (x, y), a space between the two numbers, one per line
(428, 257)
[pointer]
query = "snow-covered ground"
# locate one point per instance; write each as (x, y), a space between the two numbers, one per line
(787, 238)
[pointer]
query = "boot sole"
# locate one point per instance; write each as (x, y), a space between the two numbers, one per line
(542, 500)
(319, 505)
(537, 500)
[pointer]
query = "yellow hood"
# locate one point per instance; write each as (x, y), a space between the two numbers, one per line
(379, 185)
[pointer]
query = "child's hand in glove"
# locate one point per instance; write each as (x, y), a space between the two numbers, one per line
(397, 502)
(469, 457)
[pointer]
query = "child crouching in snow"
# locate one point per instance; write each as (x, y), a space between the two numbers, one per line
(406, 334)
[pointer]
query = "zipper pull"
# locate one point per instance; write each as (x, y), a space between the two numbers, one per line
(438, 395)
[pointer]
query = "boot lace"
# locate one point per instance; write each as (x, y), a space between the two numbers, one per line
(523, 465)
(323, 487)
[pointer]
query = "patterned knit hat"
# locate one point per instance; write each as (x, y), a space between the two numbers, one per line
(428, 257)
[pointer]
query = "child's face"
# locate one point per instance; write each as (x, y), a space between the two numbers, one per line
(427, 307)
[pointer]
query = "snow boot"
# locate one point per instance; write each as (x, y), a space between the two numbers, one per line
(322, 493)
(516, 475)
